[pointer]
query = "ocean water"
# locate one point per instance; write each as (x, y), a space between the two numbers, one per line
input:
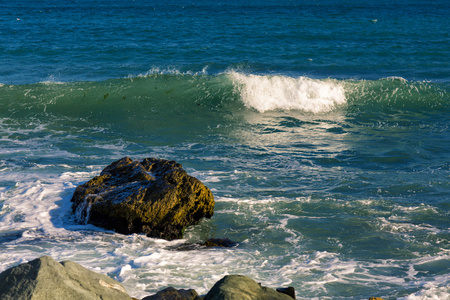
(321, 127)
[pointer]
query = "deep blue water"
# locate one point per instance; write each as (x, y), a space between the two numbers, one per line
(322, 128)
(99, 40)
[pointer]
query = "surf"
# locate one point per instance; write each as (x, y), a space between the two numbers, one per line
(157, 91)
(266, 93)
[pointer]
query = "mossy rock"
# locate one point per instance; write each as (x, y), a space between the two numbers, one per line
(153, 196)
(239, 287)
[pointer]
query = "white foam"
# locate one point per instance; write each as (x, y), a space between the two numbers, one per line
(169, 71)
(38, 201)
(265, 93)
(436, 288)
(146, 265)
(257, 201)
(393, 226)
(430, 293)
(398, 78)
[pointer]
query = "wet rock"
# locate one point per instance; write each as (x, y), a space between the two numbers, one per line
(210, 243)
(224, 243)
(238, 287)
(290, 291)
(171, 293)
(45, 278)
(153, 196)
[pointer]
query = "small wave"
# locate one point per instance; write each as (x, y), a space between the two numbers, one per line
(265, 93)
(394, 93)
(170, 71)
(51, 82)
(167, 91)
(395, 78)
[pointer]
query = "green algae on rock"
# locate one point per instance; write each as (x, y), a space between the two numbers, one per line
(239, 287)
(153, 196)
(174, 294)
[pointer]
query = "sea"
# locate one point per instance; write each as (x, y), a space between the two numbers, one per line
(320, 126)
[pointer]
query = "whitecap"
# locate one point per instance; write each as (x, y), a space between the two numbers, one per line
(266, 93)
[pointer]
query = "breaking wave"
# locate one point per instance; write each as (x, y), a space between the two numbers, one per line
(200, 93)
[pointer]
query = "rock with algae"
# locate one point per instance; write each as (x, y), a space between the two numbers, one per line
(153, 196)
(239, 287)
(171, 293)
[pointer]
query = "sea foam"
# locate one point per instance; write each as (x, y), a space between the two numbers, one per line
(265, 93)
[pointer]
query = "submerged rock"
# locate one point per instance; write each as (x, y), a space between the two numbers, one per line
(45, 278)
(223, 243)
(153, 196)
(210, 243)
(239, 287)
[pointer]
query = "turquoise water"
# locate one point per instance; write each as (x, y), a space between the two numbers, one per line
(322, 129)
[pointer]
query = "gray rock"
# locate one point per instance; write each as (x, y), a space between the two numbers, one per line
(238, 287)
(46, 279)
(171, 293)
(153, 196)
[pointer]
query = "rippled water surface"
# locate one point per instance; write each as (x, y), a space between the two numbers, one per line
(322, 129)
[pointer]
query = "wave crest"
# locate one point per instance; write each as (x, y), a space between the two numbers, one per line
(265, 93)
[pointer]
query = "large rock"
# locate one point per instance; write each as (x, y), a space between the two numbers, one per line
(239, 287)
(44, 278)
(153, 196)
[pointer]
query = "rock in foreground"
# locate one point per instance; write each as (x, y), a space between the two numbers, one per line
(153, 196)
(44, 278)
(239, 287)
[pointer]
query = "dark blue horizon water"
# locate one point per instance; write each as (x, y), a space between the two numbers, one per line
(321, 127)
(98, 40)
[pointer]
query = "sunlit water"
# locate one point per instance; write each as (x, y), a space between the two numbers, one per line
(322, 130)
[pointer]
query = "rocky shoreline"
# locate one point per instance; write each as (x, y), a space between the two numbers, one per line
(46, 279)
(153, 196)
